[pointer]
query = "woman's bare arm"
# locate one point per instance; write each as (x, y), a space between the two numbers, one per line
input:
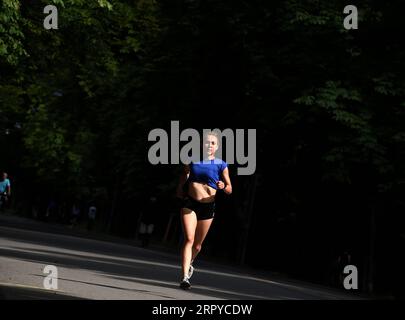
(182, 180)
(227, 181)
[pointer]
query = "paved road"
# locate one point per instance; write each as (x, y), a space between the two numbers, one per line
(94, 269)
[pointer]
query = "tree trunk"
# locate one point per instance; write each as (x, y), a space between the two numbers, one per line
(251, 196)
(371, 263)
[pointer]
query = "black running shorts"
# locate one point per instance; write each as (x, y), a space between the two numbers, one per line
(202, 210)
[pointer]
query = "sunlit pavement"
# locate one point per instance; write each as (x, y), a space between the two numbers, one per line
(94, 269)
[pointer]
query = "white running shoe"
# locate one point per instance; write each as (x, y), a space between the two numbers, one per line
(185, 283)
(190, 271)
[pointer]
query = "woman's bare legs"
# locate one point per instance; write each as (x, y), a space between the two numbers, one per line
(189, 223)
(200, 233)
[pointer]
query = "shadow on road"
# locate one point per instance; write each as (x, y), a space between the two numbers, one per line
(9, 292)
(137, 272)
(141, 266)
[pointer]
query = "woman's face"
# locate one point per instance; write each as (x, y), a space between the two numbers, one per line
(210, 145)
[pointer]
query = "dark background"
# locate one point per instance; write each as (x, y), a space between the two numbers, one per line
(328, 104)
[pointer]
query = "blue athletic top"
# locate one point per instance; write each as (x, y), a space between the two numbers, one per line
(3, 185)
(207, 171)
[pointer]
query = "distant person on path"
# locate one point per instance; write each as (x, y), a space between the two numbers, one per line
(5, 190)
(51, 210)
(198, 186)
(148, 221)
(91, 217)
(75, 215)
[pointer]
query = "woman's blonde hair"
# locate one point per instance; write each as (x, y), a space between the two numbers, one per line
(212, 133)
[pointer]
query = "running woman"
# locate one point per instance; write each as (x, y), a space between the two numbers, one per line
(198, 185)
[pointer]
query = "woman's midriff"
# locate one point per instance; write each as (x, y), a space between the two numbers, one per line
(201, 192)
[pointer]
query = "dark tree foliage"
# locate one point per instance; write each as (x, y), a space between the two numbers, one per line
(77, 104)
